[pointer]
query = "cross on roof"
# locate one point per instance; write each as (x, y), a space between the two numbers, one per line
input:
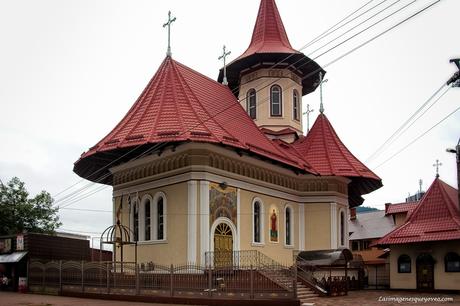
(224, 56)
(168, 24)
(437, 164)
(321, 81)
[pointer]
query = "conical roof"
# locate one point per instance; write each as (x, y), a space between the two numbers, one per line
(327, 154)
(436, 218)
(179, 105)
(270, 44)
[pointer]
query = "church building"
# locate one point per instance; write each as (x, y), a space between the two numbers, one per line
(199, 165)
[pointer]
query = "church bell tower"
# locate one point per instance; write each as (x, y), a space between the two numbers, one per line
(270, 77)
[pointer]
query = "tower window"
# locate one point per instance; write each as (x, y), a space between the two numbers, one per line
(342, 228)
(160, 219)
(296, 105)
(251, 103)
(288, 223)
(276, 103)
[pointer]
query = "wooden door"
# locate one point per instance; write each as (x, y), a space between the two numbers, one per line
(425, 272)
(223, 246)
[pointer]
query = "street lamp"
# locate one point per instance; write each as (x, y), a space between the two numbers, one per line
(457, 152)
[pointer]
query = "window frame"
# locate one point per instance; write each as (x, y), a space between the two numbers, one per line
(295, 105)
(400, 261)
(251, 93)
(289, 230)
(156, 216)
(453, 258)
(280, 103)
(261, 222)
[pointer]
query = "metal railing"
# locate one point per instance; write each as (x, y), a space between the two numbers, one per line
(250, 276)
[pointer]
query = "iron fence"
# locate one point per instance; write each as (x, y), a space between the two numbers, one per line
(238, 280)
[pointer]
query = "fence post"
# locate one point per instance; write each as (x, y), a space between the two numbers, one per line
(209, 280)
(82, 276)
(251, 284)
(171, 288)
(108, 278)
(60, 277)
(137, 279)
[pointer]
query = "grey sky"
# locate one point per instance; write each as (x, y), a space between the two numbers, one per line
(70, 70)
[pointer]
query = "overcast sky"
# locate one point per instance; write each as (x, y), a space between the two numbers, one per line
(70, 70)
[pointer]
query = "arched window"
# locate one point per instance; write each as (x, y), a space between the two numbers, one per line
(288, 225)
(257, 222)
(452, 262)
(251, 103)
(160, 219)
(404, 264)
(135, 208)
(147, 219)
(276, 101)
(342, 228)
(296, 105)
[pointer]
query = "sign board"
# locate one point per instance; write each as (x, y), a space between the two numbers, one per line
(19, 242)
(5, 245)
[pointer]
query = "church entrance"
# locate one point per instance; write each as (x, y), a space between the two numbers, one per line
(425, 272)
(223, 246)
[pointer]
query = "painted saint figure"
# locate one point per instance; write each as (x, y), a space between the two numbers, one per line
(273, 227)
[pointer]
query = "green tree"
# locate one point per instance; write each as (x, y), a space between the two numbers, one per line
(20, 213)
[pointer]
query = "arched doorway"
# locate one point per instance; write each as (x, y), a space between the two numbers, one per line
(223, 245)
(425, 272)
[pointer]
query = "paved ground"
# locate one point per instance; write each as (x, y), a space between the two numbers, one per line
(21, 299)
(377, 297)
(358, 298)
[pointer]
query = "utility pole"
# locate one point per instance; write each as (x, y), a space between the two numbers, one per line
(455, 79)
(457, 152)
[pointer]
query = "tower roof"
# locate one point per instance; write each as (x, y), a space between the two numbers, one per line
(327, 154)
(180, 105)
(436, 218)
(269, 45)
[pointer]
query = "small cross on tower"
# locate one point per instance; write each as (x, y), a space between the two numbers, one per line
(168, 24)
(437, 164)
(224, 57)
(321, 81)
(309, 110)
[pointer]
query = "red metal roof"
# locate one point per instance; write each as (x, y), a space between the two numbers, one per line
(436, 218)
(401, 208)
(269, 45)
(269, 35)
(180, 104)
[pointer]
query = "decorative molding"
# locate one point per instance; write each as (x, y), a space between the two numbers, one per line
(334, 226)
(204, 220)
(301, 227)
(271, 73)
(191, 221)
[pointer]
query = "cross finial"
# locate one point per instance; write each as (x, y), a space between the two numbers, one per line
(224, 57)
(308, 116)
(168, 24)
(321, 81)
(437, 164)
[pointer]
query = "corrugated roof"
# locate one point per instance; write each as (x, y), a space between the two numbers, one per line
(370, 225)
(436, 218)
(180, 104)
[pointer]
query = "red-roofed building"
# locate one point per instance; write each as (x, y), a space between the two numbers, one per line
(425, 249)
(197, 166)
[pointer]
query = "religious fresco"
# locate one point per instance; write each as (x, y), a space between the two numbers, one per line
(222, 203)
(273, 224)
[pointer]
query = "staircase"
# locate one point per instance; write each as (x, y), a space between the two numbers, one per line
(306, 295)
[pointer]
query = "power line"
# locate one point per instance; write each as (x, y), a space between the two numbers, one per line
(383, 146)
(420, 136)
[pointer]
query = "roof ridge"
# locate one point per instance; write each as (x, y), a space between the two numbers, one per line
(179, 114)
(160, 106)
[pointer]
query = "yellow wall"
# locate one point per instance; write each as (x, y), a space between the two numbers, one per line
(318, 226)
(442, 280)
(263, 105)
(174, 249)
